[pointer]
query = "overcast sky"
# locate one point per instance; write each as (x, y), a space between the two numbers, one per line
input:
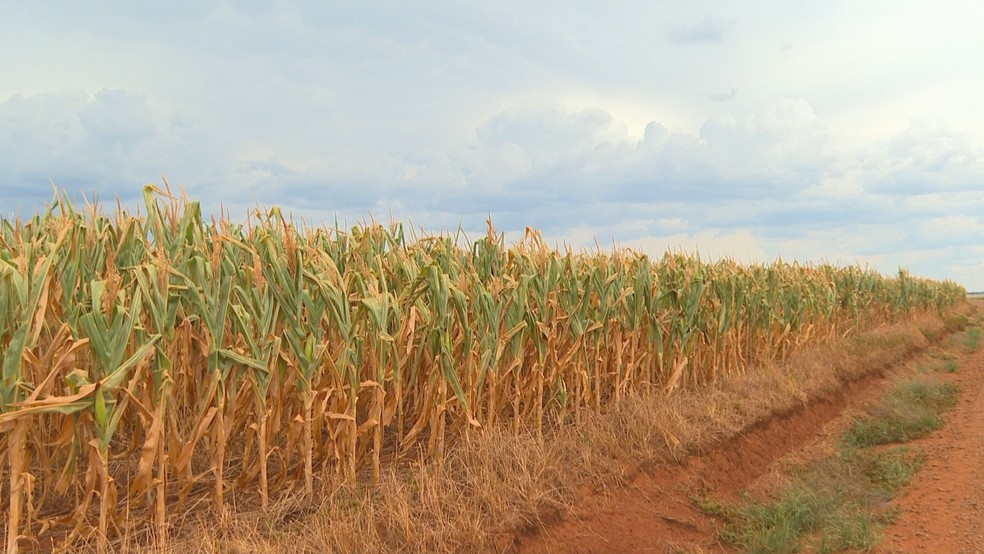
(848, 132)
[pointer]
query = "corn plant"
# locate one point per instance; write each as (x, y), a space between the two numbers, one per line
(179, 356)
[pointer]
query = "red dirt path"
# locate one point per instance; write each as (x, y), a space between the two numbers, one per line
(943, 512)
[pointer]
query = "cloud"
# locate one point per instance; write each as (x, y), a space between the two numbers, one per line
(782, 172)
(724, 97)
(543, 132)
(583, 121)
(963, 229)
(545, 154)
(111, 142)
(928, 158)
(779, 181)
(709, 30)
(117, 118)
(711, 245)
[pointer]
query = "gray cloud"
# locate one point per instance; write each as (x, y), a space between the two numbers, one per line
(572, 172)
(709, 30)
(583, 121)
(925, 158)
(110, 143)
(118, 118)
(724, 97)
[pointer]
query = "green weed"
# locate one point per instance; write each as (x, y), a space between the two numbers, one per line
(839, 502)
(911, 410)
(972, 339)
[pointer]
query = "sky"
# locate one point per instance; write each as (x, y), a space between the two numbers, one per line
(842, 131)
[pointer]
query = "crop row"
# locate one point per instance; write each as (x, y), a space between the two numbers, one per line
(145, 352)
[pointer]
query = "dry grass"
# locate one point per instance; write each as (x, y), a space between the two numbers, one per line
(500, 483)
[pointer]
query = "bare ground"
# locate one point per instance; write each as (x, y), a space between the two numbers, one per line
(941, 512)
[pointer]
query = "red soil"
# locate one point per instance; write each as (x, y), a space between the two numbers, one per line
(655, 513)
(943, 511)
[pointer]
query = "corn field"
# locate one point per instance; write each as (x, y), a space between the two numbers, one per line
(143, 354)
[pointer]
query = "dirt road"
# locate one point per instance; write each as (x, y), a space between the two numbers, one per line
(942, 512)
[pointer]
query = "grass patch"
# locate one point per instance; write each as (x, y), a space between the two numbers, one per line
(891, 470)
(972, 339)
(833, 504)
(839, 502)
(911, 410)
(951, 366)
(955, 322)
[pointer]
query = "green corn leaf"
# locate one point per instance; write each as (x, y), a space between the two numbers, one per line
(244, 360)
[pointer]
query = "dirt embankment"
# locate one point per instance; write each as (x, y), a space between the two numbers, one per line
(941, 512)
(656, 513)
